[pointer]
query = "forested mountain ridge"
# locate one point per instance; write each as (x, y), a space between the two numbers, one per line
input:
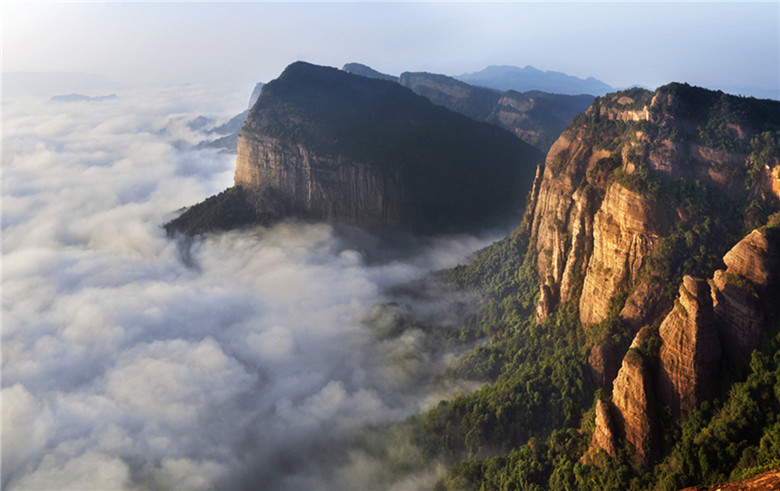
(535, 117)
(644, 192)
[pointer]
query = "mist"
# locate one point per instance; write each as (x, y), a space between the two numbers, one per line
(271, 357)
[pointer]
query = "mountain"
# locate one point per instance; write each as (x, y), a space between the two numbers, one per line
(255, 94)
(82, 98)
(535, 117)
(228, 141)
(367, 71)
(324, 144)
(632, 319)
(529, 78)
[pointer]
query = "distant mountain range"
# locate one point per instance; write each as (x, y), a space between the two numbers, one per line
(503, 78)
(536, 117)
(82, 98)
(530, 78)
(48, 84)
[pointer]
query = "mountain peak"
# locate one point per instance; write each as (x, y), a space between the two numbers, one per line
(367, 71)
(324, 144)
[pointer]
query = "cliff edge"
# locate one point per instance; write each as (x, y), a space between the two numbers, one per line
(324, 144)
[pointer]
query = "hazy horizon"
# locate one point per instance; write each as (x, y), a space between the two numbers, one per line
(725, 45)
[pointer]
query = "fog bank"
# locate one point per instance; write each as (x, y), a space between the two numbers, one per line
(269, 361)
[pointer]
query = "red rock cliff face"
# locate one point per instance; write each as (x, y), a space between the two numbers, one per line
(624, 233)
(563, 214)
(713, 324)
(633, 398)
(690, 353)
(595, 225)
(745, 295)
(323, 186)
(594, 229)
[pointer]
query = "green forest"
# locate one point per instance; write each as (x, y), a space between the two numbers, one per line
(530, 425)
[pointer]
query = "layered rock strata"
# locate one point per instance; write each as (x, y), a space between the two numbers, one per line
(633, 398)
(745, 295)
(713, 325)
(690, 350)
(624, 233)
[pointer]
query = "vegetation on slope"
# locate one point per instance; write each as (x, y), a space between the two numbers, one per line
(530, 426)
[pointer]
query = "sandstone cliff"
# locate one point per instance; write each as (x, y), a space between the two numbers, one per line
(697, 343)
(745, 295)
(643, 188)
(328, 145)
(639, 169)
(690, 351)
(635, 406)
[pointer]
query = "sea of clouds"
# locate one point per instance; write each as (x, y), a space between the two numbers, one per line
(130, 360)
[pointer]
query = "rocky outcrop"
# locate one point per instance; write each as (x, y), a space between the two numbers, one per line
(755, 258)
(563, 215)
(766, 481)
(633, 397)
(329, 145)
(597, 215)
(603, 435)
(545, 304)
(690, 351)
(745, 294)
(322, 186)
(604, 361)
(626, 192)
(713, 325)
(644, 305)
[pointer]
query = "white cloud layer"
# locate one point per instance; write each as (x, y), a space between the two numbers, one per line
(123, 368)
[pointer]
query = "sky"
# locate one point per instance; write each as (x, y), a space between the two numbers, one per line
(717, 45)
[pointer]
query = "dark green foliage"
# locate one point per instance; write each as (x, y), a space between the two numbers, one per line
(735, 439)
(528, 364)
(232, 208)
(731, 440)
(719, 116)
(475, 102)
(538, 374)
(694, 246)
(494, 270)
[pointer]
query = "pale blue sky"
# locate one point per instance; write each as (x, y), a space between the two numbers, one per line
(716, 45)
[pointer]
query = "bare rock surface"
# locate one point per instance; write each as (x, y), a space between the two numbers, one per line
(690, 350)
